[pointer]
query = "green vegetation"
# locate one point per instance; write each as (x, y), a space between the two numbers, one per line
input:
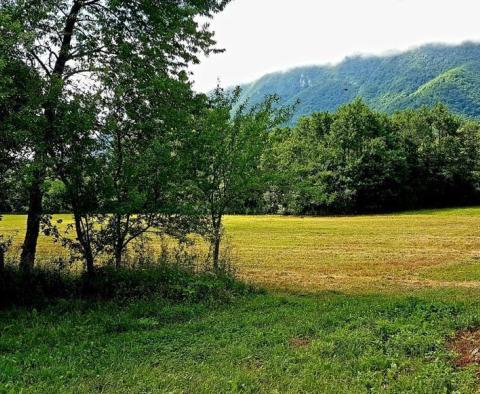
(264, 343)
(167, 279)
(232, 143)
(356, 304)
(131, 288)
(358, 160)
(424, 76)
(103, 122)
(100, 80)
(374, 253)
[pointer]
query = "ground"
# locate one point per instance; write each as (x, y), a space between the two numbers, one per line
(353, 304)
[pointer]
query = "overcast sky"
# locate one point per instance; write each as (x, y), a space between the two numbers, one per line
(262, 36)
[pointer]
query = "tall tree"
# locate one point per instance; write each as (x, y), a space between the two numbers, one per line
(357, 160)
(294, 158)
(73, 43)
(442, 151)
(147, 130)
(363, 165)
(232, 137)
(19, 91)
(139, 181)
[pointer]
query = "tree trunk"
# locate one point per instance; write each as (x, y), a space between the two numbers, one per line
(35, 211)
(89, 261)
(86, 246)
(217, 236)
(118, 257)
(118, 242)
(216, 253)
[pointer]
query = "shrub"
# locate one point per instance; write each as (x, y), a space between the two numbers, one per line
(169, 281)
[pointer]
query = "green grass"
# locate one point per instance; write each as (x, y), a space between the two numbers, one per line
(266, 343)
(356, 305)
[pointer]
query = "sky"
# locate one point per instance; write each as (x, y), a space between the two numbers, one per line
(263, 36)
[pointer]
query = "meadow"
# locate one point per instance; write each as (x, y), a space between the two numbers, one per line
(352, 304)
(436, 248)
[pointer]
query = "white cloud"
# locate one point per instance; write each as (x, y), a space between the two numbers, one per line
(263, 36)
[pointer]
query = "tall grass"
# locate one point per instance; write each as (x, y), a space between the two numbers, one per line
(175, 274)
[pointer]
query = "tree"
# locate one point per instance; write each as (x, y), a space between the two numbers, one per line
(232, 137)
(294, 158)
(19, 86)
(125, 175)
(442, 152)
(144, 175)
(19, 91)
(358, 160)
(349, 161)
(363, 165)
(79, 165)
(73, 43)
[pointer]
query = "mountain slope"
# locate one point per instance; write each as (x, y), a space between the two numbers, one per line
(423, 76)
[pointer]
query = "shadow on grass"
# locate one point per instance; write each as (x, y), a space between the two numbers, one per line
(42, 287)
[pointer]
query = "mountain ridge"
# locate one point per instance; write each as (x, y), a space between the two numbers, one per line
(421, 76)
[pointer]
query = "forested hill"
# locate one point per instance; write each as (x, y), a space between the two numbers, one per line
(423, 76)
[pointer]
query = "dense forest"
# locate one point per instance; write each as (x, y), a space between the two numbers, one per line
(359, 160)
(419, 77)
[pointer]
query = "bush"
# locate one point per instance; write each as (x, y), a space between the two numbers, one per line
(42, 286)
(39, 286)
(169, 282)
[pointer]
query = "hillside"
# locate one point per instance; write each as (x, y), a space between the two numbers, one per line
(422, 76)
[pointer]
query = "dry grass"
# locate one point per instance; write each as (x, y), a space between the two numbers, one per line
(384, 252)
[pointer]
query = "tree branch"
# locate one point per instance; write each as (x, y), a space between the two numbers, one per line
(45, 68)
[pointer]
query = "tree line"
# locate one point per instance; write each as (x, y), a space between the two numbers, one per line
(358, 160)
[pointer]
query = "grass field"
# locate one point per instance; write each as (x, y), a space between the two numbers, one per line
(363, 253)
(356, 305)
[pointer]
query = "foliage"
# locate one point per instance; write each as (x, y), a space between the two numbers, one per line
(358, 160)
(232, 137)
(129, 176)
(88, 54)
(55, 196)
(166, 278)
(20, 88)
(5, 244)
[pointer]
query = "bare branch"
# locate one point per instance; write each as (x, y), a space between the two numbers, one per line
(78, 54)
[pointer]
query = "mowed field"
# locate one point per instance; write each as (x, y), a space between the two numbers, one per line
(438, 248)
(366, 304)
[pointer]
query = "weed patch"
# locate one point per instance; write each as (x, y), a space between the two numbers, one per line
(466, 346)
